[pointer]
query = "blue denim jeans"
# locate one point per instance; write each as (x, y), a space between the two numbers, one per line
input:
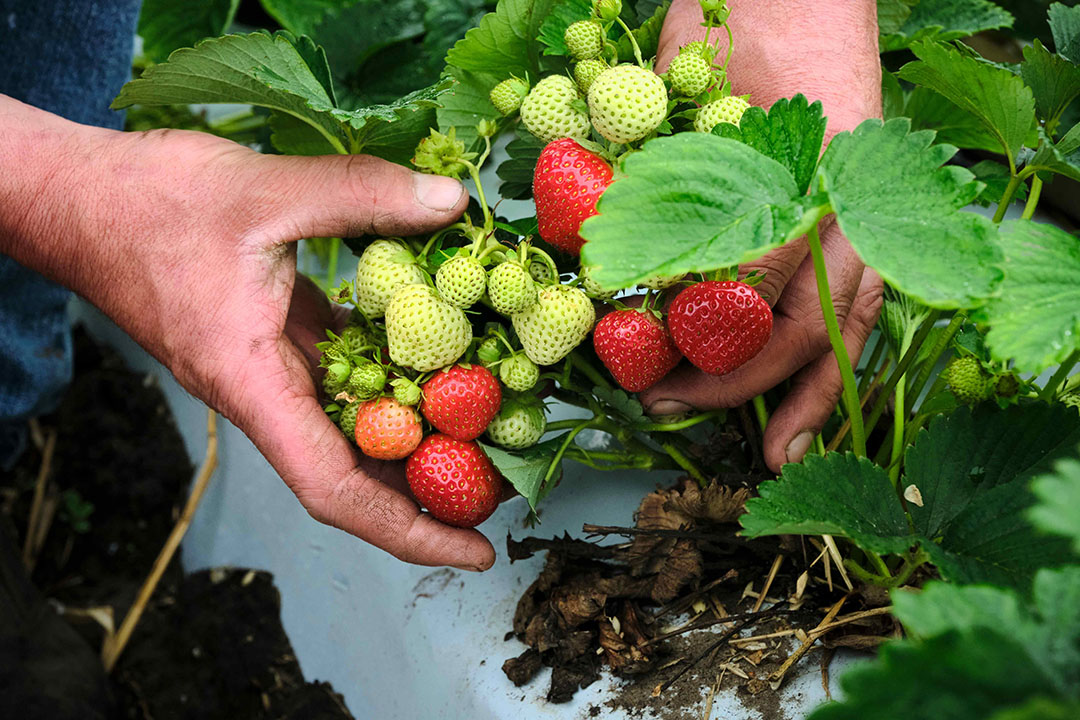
(69, 57)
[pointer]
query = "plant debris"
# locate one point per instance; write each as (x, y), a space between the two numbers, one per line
(682, 607)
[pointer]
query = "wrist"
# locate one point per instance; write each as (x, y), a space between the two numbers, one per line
(44, 186)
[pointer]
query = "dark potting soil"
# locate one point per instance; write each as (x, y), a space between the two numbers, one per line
(209, 644)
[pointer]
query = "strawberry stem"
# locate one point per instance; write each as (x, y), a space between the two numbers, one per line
(1033, 197)
(836, 339)
(761, 411)
(1062, 374)
(474, 173)
(633, 42)
(685, 463)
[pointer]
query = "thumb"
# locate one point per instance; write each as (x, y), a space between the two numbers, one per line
(353, 195)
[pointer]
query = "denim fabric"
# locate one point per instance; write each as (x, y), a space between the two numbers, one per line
(69, 57)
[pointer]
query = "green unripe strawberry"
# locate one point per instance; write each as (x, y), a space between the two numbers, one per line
(489, 352)
(347, 420)
(384, 267)
(593, 289)
(511, 288)
(461, 280)
(517, 426)
(660, 282)
(425, 332)
(728, 109)
(356, 339)
(336, 378)
(967, 380)
(555, 324)
(549, 113)
(584, 39)
(586, 71)
(607, 10)
(690, 74)
(627, 102)
(367, 380)
(519, 373)
(698, 47)
(406, 391)
(507, 95)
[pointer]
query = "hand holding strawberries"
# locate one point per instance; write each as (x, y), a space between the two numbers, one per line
(777, 55)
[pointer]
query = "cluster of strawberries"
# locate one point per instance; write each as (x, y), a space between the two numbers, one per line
(412, 354)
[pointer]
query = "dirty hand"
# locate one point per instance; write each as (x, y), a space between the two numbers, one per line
(826, 50)
(187, 242)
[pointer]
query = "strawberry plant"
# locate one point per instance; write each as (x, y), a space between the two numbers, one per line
(664, 185)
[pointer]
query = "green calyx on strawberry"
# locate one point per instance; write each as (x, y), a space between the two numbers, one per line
(635, 347)
(489, 351)
(586, 71)
(439, 154)
(690, 75)
(555, 324)
(967, 379)
(367, 380)
(719, 325)
(406, 391)
(584, 39)
(518, 425)
(461, 280)
(627, 102)
(510, 288)
(567, 182)
(336, 378)
(700, 48)
(385, 266)
(551, 110)
(508, 95)
(716, 12)
(726, 109)
(454, 480)
(461, 400)
(424, 332)
(519, 373)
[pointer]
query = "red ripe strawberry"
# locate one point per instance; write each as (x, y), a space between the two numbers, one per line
(454, 480)
(566, 185)
(386, 429)
(635, 347)
(718, 326)
(460, 401)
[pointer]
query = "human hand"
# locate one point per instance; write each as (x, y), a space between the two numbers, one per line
(826, 50)
(186, 241)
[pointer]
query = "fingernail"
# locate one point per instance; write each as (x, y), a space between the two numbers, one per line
(469, 568)
(668, 407)
(437, 193)
(798, 446)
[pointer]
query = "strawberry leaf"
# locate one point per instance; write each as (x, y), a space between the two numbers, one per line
(505, 43)
(647, 36)
(1065, 27)
(525, 469)
(227, 70)
(690, 202)
(165, 25)
(466, 104)
(791, 134)
(996, 96)
(1058, 508)
(939, 21)
(954, 125)
(1035, 317)
(858, 503)
(516, 172)
(900, 209)
(1054, 81)
(1062, 157)
(301, 16)
(972, 471)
